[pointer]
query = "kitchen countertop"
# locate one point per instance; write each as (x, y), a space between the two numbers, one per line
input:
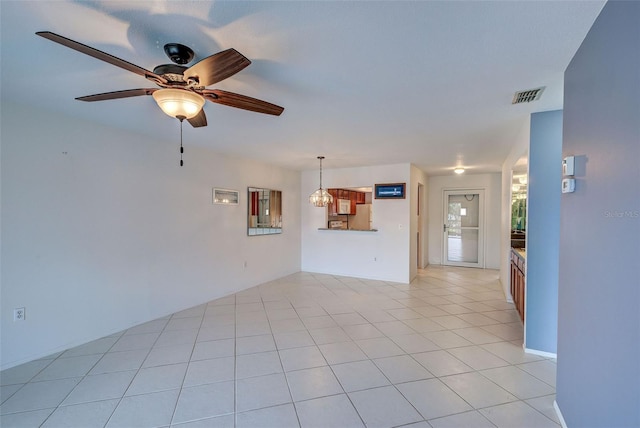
(521, 252)
(348, 230)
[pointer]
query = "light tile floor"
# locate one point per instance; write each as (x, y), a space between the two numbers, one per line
(306, 350)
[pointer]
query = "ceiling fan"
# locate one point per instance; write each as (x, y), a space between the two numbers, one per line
(178, 83)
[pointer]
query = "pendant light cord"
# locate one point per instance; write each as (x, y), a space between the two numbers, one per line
(320, 158)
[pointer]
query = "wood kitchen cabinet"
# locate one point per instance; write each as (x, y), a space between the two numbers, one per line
(518, 282)
(354, 198)
(333, 207)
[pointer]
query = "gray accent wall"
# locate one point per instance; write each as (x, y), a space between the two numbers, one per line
(543, 228)
(598, 375)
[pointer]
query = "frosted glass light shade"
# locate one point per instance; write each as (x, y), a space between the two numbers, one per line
(320, 198)
(179, 102)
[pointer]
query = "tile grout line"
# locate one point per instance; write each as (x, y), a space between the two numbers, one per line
(186, 371)
(355, 295)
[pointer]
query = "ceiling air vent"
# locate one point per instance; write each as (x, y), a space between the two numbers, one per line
(527, 96)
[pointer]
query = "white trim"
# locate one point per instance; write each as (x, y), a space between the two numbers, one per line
(563, 423)
(540, 353)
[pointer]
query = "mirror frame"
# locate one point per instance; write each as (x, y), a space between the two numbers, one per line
(264, 211)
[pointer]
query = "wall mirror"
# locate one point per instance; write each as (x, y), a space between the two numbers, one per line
(519, 203)
(264, 211)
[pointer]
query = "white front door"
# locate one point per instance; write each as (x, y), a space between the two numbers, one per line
(464, 228)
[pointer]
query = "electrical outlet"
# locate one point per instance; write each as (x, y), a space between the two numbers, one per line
(245, 265)
(18, 314)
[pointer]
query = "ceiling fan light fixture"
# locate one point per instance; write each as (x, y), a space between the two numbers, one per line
(459, 170)
(320, 198)
(179, 102)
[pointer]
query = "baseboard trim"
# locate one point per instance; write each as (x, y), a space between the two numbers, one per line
(559, 413)
(541, 353)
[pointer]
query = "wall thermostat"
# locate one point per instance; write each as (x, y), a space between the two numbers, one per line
(567, 166)
(568, 185)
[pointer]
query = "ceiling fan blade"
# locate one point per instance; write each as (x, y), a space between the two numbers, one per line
(117, 94)
(199, 120)
(217, 67)
(88, 50)
(241, 101)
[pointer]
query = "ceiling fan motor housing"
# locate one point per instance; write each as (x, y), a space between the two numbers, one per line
(179, 54)
(172, 72)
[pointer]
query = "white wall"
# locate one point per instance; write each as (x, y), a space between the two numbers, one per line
(492, 185)
(352, 253)
(520, 148)
(102, 230)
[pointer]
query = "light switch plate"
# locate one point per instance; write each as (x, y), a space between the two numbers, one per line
(568, 185)
(568, 165)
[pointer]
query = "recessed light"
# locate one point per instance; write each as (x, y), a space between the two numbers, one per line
(458, 170)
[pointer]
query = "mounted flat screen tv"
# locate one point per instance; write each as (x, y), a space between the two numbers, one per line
(390, 191)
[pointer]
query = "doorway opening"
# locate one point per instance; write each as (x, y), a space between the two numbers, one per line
(419, 261)
(463, 243)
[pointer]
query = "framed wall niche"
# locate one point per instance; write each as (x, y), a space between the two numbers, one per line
(226, 196)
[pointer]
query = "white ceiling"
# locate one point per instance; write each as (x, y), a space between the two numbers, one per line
(362, 83)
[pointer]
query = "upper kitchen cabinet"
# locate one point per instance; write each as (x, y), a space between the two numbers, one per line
(333, 207)
(345, 201)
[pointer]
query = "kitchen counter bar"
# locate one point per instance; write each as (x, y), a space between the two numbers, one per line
(520, 252)
(348, 230)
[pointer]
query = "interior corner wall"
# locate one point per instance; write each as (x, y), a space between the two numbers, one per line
(102, 230)
(543, 230)
(435, 209)
(381, 255)
(418, 177)
(599, 294)
(519, 148)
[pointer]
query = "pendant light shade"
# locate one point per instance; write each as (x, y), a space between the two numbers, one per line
(320, 198)
(179, 102)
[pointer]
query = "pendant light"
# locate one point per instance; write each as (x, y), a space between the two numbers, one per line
(320, 198)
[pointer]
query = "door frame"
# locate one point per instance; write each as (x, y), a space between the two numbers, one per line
(419, 238)
(481, 225)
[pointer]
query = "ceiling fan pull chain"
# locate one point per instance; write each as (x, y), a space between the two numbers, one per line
(181, 119)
